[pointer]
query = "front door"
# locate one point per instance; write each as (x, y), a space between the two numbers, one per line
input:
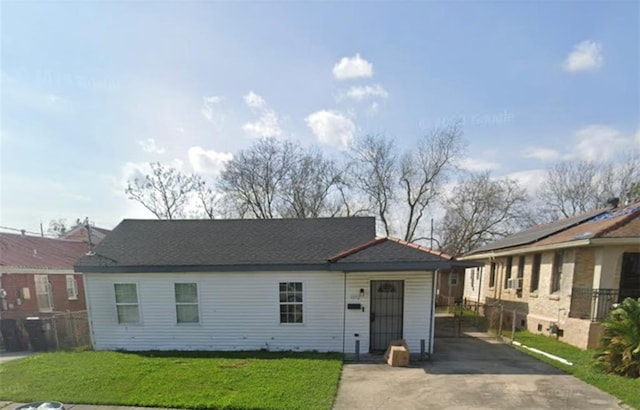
(630, 276)
(387, 301)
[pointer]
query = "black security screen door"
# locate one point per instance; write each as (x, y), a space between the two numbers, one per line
(387, 300)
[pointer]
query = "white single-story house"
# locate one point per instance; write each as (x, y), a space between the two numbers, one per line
(280, 284)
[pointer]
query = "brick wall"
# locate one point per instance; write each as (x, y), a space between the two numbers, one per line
(16, 306)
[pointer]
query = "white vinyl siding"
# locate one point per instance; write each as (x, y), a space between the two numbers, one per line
(241, 311)
(187, 302)
(126, 297)
(417, 309)
(72, 287)
(238, 311)
(43, 293)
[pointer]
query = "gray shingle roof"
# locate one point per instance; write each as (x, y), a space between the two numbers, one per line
(228, 242)
(347, 244)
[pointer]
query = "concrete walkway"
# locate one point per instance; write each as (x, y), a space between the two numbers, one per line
(468, 373)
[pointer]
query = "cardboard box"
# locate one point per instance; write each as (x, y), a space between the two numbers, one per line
(397, 354)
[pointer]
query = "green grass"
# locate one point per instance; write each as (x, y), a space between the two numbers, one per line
(625, 389)
(198, 380)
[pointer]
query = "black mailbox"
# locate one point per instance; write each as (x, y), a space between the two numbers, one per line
(353, 306)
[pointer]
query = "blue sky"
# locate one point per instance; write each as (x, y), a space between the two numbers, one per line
(93, 91)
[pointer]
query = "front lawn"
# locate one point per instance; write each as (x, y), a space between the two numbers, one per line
(199, 380)
(625, 389)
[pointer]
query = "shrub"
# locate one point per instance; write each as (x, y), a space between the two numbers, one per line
(620, 351)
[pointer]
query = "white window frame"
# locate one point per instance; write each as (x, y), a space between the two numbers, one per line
(197, 303)
(137, 304)
(287, 303)
(72, 287)
(46, 286)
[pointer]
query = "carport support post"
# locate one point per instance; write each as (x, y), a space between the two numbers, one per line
(500, 322)
(357, 351)
(513, 326)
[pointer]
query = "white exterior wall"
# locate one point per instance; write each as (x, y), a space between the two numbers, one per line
(417, 312)
(240, 311)
(472, 286)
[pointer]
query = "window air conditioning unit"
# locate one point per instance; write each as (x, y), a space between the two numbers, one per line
(515, 283)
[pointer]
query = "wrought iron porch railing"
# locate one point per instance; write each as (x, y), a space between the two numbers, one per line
(595, 304)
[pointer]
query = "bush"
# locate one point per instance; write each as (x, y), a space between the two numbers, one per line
(620, 351)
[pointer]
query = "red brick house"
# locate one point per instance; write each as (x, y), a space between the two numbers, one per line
(37, 280)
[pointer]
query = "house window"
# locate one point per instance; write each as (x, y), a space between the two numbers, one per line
(290, 302)
(72, 287)
(535, 272)
(187, 302)
(453, 279)
(521, 267)
(556, 273)
(43, 293)
(507, 272)
(492, 275)
(127, 302)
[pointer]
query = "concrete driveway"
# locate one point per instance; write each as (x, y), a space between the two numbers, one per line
(9, 356)
(468, 373)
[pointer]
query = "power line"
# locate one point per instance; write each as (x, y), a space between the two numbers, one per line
(25, 231)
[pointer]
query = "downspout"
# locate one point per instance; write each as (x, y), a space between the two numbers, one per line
(433, 304)
(344, 314)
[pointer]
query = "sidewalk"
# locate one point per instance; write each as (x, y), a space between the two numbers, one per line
(7, 405)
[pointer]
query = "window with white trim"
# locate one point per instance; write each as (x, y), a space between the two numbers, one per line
(72, 287)
(186, 302)
(43, 293)
(127, 302)
(291, 302)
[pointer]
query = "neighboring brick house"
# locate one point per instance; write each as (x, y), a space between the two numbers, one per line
(39, 286)
(563, 277)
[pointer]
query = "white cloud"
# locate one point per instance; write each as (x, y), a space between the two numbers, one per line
(208, 161)
(352, 67)
(586, 55)
(530, 179)
(476, 165)
(268, 122)
(542, 154)
(254, 100)
(373, 108)
(149, 145)
(366, 91)
(598, 142)
(331, 128)
(207, 107)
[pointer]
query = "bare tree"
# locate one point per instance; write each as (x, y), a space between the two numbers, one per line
(208, 198)
(574, 187)
(253, 178)
(309, 185)
(58, 227)
(480, 210)
(570, 188)
(375, 174)
(164, 192)
(423, 171)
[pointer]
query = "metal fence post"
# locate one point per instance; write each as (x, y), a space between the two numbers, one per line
(357, 351)
(422, 356)
(513, 326)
